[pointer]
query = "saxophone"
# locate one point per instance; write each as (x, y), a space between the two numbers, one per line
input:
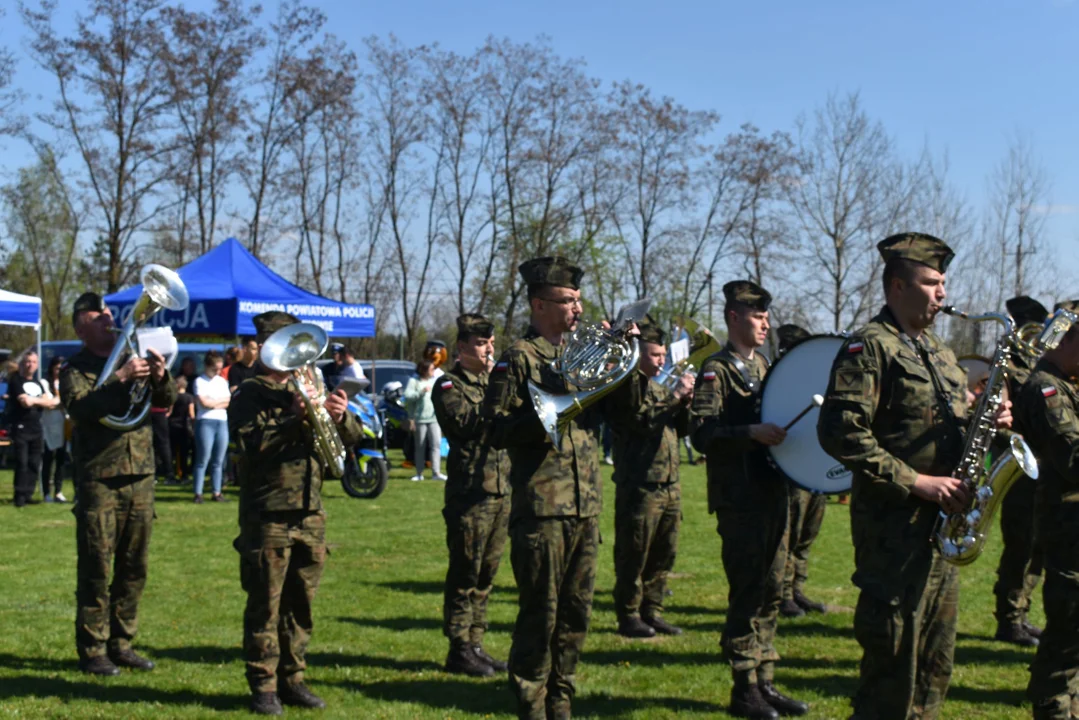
(961, 536)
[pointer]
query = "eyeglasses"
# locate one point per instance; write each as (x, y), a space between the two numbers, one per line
(565, 301)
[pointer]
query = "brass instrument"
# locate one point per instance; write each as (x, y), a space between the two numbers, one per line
(961, 536)
(294, 349)
(161, 289)
(702, 345)
(595, 360)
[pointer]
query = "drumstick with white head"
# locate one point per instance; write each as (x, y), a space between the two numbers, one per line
(818, 400)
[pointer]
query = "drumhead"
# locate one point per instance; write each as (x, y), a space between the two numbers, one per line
(788, 388)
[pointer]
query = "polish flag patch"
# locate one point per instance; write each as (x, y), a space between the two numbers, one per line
(1049, 391)
(708, 375)
(500, 366)
(856, 347)
(447, 385)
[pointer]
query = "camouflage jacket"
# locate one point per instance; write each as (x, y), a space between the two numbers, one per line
(475, 468)
(100, 452)
(547, 481)
(724, 405)
(277, 464)
(894, 408)
(1046, 415)
(647, 421)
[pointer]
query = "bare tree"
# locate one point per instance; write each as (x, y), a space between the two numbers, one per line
(852, 193)
(11, 121)
(207, 56)
(114, 104)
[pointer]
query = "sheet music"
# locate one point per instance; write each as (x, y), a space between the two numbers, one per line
(160, 339)
(678, 350)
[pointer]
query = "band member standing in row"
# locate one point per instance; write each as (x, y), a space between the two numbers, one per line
(647, 421)
(477, 502)
(282, 540)
(1020, 568)
(1046, 414)
(806, 518)
(749, 498)
(894, 413)
(114, 480)
(557, 498)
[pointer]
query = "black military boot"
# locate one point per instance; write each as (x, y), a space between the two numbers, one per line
(266, 703)
(1032, 630)
(98, 665)
(1015, 634)
(299, 695)
(808, 605)
(747, 702)
(498, 665)
(791, 609)
(129, 658)
(634, 627)
(783, 705)
(662, 627)
(462, 659)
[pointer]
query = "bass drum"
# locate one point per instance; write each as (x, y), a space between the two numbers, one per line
(788, 389)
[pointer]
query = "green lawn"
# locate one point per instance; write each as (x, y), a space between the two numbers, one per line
(377, 650)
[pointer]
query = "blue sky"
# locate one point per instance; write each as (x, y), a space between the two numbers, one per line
(963, 75)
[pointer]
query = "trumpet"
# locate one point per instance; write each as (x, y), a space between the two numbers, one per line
(293, 349)
(161, 289)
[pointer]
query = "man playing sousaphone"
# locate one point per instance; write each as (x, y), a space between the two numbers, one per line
(282, 541)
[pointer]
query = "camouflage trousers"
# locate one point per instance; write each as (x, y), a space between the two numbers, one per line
(646, 523)
(1054, 674)
(554, 563)
(1020, 566)
(806, 517)
(281, 561)
(908, 649)
(113, 523)
(754, 559)
(475, 536)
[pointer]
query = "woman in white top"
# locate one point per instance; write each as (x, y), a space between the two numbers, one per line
(211, 425)
(52, 425)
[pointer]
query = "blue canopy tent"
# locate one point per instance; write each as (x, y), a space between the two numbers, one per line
(228, 286)
(23, 310)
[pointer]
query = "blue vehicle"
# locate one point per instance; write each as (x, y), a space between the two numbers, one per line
(366, 470)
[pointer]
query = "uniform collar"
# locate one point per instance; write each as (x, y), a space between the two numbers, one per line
(729, 347)
(542, 345)
(887, 319)
(462, 372)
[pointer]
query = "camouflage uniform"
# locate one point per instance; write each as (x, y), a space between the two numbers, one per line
(647, 421)
(282, 539)
(806, 518)
(554, 515)
(114, 507)
(477, 506)
(1046, 415)
(750, 502)
(896, 407)
(1020, 568)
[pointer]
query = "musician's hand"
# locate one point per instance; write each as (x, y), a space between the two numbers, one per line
(134, 369)
(767, 433)
(336, 405)
(684, 391)
(1003, 419)
(948, 492)
(157, 364)
(299, 408)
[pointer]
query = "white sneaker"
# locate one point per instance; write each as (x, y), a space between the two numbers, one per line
(607, 460)
(60, 497)
(417, 478)
(440, 476)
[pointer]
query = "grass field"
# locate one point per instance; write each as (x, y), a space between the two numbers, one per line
(377, 650)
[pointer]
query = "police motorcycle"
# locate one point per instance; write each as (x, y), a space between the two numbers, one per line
(366, 470)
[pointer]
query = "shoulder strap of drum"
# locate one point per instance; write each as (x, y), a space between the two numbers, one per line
(740, 366)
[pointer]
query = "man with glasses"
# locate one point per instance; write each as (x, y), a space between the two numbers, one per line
(556, 497)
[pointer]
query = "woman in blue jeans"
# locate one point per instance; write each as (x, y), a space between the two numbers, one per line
(211, 425)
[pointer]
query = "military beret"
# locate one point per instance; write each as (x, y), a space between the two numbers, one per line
(555, 271)
(1071, 306)
(651, 332)
(789, 335)
(474, 325)
(267, 323)
(747, 293)
(919, 247)
(85, 303)
(1025, 309)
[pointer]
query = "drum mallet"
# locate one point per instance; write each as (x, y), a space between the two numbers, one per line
(818, 400)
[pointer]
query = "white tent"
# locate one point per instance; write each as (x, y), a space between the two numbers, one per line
(23, 310)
